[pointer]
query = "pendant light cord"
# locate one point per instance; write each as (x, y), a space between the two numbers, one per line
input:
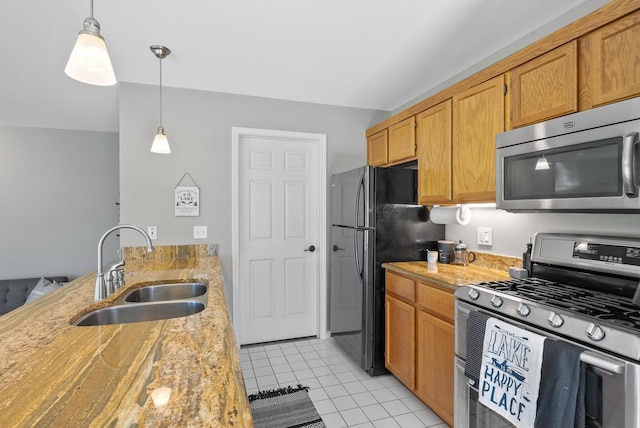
(161, 92)
(91, 9)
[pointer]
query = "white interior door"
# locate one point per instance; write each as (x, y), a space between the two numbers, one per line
(278, 266)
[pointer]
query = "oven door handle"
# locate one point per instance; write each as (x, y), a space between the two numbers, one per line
(629, 165)
(606, 364)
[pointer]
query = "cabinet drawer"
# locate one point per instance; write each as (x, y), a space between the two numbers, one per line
(400, 286)
(437, 301)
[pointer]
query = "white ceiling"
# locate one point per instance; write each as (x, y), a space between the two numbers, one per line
(376, 54)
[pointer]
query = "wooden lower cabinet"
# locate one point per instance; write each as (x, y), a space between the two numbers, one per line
(419, 340)
(400, 332)
(434, 364)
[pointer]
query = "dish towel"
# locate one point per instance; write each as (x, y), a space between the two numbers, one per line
(510, 372)
(561, 398)
(476, 324)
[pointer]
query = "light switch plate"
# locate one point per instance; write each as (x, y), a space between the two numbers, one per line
(485, 236)
(199, 232)
(153, 232)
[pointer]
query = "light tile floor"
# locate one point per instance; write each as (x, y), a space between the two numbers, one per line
(343, 394)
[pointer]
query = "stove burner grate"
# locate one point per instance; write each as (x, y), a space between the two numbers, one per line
(609, 308)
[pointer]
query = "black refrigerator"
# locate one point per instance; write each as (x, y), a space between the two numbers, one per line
(375, 219)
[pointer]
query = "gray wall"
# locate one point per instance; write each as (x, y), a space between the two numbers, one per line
(59, 190)
(198, 125)
(512, 230)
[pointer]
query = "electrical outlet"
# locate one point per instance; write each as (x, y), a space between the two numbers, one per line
(153, 232)
(199, 232)
(485, 236)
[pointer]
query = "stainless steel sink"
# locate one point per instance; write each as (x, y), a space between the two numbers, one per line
(130, 313)
(165, 292)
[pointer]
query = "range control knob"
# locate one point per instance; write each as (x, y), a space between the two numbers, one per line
(473, 294)
(496, 301)
(595, 332)
(555, 320)
(523, 309)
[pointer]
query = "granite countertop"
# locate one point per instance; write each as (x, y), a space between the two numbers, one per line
(57, 374)
(447, 276)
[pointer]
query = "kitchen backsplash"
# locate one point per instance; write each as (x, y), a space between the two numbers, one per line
(511, 231)
(169, 252)
(495, 261)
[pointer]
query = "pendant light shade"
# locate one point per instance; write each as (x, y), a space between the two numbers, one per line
(89, 61)
(542, 163)
(160, 142)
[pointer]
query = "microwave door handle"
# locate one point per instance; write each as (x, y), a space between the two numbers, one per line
(629, 161)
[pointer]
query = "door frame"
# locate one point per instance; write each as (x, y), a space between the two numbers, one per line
(320, 140)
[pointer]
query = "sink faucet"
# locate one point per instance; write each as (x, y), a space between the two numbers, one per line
(100, 292)
(114, 278)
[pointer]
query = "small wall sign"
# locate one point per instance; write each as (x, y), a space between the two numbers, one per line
(187, 199)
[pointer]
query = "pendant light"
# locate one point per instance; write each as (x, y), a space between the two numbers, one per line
(160, 142)
(89, 60)
(542, 163)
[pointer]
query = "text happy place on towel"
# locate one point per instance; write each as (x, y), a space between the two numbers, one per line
(510, 372)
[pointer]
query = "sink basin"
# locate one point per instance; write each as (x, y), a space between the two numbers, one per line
(124, 314)
(162, 292)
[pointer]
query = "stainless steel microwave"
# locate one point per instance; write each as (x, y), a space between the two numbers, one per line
(583, 162)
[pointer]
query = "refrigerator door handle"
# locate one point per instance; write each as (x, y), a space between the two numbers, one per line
(355, 251)
(358, 191)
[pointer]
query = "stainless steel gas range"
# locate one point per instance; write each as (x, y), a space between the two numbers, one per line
(581, 291)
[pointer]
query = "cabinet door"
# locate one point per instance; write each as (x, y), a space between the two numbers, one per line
(478, 115)
(377, 149)
(399, 347)
(402, 140)
(433, 138)
(615, 60)
(545, 87)
(434, 370)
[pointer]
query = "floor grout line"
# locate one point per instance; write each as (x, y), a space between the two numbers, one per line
(344, 395)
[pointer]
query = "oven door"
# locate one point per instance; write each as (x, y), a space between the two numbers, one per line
(612, 385)
(592, 170)
(472, 414)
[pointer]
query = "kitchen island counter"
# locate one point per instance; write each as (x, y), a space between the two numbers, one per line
(57, 374)
(448, 276)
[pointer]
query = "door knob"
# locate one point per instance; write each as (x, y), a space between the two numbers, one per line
(311, 248)
(336, 248)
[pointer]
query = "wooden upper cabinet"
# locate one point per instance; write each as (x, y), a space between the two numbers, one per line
(402, 140)
(433, 138)
(377, 154)
(615, 60)
(545, 87)
(478, 115)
